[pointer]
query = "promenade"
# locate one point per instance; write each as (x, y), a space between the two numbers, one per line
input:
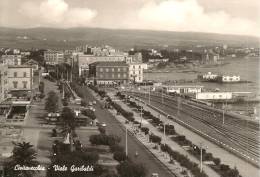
(168, 141)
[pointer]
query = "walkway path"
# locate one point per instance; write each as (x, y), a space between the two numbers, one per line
(172, 144)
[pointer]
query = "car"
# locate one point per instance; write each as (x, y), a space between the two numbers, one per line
(155, 175)
(90, 103)
(103, 124)
(94, 102)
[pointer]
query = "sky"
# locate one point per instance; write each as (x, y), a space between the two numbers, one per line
(216, 16)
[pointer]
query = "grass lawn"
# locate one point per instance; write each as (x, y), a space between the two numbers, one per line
(45, 140)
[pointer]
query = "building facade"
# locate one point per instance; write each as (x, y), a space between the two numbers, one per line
(214, 96)
(109, 73)
(136, 72)
(53, 57)
(226, 78)
(183, 89)
(20, 78)
(11, 59)
(3, 82)
(83, 61)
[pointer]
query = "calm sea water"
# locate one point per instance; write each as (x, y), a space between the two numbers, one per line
(247, 68)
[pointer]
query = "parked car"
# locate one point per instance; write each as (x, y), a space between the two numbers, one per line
(155, 175)
(94, 102)
(103, 124)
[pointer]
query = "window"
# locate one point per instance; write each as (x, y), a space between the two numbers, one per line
(24, 74)
(101, 76)
(124, 75)
(139, 72)
(139, 66)
(118, 69)
(124, 69)
(15, 84)
(101, 69)
(113, 69)
(134, 66)
(113, 76)
(15, 74)
(119, 75)
(24, 84)
(107, 69)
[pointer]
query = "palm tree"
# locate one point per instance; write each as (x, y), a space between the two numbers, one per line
(23, 155)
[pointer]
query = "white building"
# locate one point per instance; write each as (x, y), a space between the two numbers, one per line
(136, 71)
(226, 78)
(53, 57)
(183, 89)
(214, 96)
(11, 59)
(20, 78)
(209, 76)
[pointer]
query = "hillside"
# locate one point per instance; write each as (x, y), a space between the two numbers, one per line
(119, 38)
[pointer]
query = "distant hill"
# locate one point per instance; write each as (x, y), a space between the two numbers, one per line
(118, 38)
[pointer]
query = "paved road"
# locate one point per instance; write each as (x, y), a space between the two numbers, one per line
(114, 127)
(246, 169)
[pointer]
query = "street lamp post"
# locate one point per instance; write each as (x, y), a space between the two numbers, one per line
(141, 109)
(126, 149)
(164, 134)
(149, 96)
(200, 157)
(162, 95)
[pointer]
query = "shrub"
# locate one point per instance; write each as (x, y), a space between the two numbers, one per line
(116, 147)
(145, 130)
(224, 167)
(155, 138)
(216, 161)
(119, 156)
(103, 139)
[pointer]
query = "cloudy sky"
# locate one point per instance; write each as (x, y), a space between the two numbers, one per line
(218, 16)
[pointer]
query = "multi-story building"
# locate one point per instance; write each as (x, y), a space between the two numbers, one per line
(20, 78)
(11, 59)
(109, 73)
(136, 58)
(53, 57)
(83, 61)
(3, 82)
(136, 72)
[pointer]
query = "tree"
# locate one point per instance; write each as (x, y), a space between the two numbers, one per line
(41, 87)
(23, 155)
(130, 169)
(52, 102)
(68, 119)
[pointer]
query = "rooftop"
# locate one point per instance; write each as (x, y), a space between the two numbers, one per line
(19, 66)
(109, 63)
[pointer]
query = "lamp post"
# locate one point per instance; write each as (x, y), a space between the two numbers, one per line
(201, 155)
(164, 134)
(162, 95)
(149, 95)
(141, 115)
(126, 149)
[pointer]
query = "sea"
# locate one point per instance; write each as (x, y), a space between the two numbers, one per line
(247, 68)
